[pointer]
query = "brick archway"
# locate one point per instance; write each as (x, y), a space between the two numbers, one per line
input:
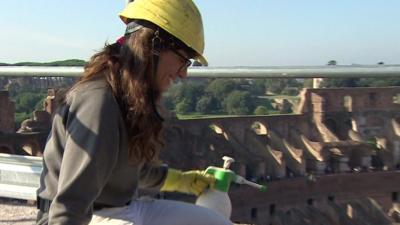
(259, 128)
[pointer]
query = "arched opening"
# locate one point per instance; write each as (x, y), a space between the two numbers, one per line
(6, 149)
(372, 99)
(219, 130)
(354, 125)
(396, 99)
(259, 128)
(272, 209)
(348, 103)
(395, 196)
(253, 213)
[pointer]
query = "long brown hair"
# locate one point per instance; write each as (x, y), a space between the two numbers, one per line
(129, 70)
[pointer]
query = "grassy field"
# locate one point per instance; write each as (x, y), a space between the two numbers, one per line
(202, 116)
(266, 99)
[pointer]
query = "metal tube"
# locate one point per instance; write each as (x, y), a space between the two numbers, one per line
(381, 71)
(298, 72)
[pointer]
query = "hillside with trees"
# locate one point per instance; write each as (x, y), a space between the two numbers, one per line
(68, 62)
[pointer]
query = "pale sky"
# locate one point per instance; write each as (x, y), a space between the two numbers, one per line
(238, 33)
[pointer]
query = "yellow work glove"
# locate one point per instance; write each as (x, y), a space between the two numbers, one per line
(189, 182)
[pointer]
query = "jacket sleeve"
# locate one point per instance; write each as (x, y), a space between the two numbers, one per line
(90, 154)
(152, 175)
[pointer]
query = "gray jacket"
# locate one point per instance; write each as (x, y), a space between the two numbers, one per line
(86, 157)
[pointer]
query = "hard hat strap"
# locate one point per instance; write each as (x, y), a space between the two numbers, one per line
(155, 50)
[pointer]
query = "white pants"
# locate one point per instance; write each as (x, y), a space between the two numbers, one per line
(158, 212)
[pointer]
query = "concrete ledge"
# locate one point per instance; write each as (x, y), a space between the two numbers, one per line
(18, 191)
(19, 176)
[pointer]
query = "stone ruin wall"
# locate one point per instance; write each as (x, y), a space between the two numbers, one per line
(361, 98)
(245, 137)
(371, 113)
(330, 144)
(210, 139)
(6, 113)
(6, 122)
(266, 148)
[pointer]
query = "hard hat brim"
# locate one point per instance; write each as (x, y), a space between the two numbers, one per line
(201, 60)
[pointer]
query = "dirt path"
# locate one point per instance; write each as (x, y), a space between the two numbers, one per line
(16, 212)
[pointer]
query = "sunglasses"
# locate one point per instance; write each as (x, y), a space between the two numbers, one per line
(187, 61)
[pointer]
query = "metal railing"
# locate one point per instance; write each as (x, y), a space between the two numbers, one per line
(382, 71)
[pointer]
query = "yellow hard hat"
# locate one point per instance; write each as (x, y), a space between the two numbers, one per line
(180, 18)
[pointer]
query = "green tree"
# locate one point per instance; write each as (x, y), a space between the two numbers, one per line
(239, 103)
(341, 82)
(257, 87)
(27, 101)
(273, 86)
(308, 83)
(20, 117)
(286, 107)
(379, 82)
(332, 63)
(261, 110)
(291, 91)
(183, 107)
(40, 104)
(168, 102)
(13, 88)
(220, 88)
(207, 104)
(3, 83)
(189, 92)
(267, 103)
(276, 85)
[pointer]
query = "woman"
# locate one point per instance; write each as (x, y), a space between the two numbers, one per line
(105, 137)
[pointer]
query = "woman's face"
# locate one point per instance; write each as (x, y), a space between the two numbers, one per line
(171, 66)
